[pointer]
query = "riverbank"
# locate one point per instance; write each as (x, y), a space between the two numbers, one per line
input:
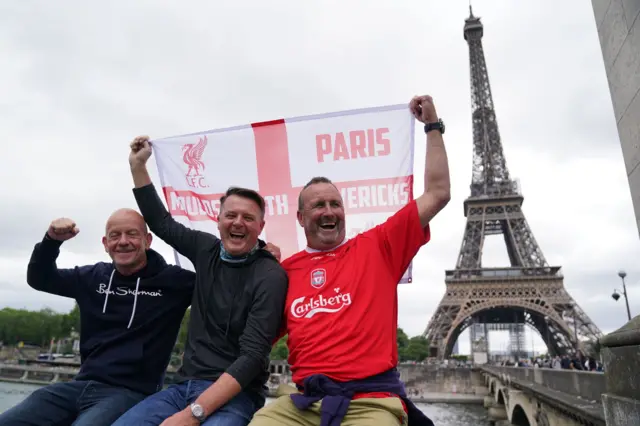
(34, 375)
(42, 376)
(442, 414)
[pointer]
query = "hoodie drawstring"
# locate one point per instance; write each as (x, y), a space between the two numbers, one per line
(135, 298)
(135, 302)
(106, 296)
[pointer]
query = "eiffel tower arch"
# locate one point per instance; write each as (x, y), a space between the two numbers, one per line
(529, 291)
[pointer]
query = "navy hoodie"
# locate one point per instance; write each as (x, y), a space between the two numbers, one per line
(128, 324)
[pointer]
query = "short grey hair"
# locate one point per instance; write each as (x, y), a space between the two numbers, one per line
(313, 181)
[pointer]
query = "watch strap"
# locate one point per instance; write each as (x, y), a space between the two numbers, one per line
(438, 125)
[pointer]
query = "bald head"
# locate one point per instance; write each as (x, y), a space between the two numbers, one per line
(127, 215)
(126, 240)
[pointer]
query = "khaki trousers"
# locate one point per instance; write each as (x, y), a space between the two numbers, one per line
(362, 412)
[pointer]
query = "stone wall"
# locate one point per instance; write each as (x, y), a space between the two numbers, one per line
(621, 356)
(584, 384)
(619, 32)
(432, 379)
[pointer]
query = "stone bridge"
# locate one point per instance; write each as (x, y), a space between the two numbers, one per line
(545, 397)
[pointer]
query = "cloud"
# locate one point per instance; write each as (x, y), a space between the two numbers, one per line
(80, 81)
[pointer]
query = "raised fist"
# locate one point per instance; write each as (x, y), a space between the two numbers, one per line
(140, 151)
(62, 229)
(423, 109)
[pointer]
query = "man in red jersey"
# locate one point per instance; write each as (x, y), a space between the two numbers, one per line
(342, 308)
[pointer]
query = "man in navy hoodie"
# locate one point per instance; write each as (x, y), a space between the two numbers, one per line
(130, 314)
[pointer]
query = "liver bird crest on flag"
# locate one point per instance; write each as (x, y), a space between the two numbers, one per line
(193, 156)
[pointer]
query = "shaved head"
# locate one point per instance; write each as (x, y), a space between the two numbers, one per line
(129, 215)
(126, 239)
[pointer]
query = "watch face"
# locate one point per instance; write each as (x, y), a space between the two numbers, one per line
(197, 410)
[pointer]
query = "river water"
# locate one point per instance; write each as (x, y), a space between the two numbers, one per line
(441, 414)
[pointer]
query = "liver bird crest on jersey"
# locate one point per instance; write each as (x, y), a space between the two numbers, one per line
(318, 278)
(192, 157)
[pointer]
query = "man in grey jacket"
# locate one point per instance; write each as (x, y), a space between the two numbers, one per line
(236, 309)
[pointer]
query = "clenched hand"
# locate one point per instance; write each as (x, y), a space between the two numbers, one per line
(62, 229)
(140, 151)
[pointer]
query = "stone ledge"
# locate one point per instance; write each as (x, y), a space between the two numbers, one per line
(588, 411)
(583, 384)
(620, 411)
(627, 335)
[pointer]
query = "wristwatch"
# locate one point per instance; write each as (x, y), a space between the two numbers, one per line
(438, 125)
(198, 412)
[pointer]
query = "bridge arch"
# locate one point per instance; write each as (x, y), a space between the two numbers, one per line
(500, 397)
(552, 328)
(519, 416)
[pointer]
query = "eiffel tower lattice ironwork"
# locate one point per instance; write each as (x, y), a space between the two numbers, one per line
(529, 291)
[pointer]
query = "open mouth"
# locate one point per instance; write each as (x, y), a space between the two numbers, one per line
(236, 236)
(329, 226)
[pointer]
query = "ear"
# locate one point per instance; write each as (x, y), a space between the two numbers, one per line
(299, 216)
(148, 239)
(262, 222)
(104, 243)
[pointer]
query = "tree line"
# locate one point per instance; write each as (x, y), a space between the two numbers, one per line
(409, 349)
(36, 327)
(39, 327)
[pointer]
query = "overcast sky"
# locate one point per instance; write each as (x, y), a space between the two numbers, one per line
(80, 79)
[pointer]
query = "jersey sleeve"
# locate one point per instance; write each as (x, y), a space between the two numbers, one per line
(400, 238)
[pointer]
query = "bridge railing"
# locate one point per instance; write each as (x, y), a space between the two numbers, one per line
(583, 384)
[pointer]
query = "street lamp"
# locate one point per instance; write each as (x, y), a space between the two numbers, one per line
(549, 349)
(616, 295)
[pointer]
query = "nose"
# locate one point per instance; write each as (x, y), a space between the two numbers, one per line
(328, 211)
(123, 240)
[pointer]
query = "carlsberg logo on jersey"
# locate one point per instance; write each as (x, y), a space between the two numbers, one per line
(306, 308)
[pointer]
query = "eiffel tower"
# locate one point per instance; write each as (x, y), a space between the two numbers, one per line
(529, 291)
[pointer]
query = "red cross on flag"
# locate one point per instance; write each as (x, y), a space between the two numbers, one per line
(367, 153)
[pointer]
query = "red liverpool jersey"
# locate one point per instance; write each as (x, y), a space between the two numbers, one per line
(342, 305)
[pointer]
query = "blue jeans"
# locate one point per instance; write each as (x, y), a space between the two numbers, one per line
(162, 405)
(76, 403)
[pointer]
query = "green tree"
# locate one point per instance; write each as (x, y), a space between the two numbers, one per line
(182, 334)
(67, 348)
(31, 327)
(417, 349)
(280, 351)
(461, 358)
(403, 341)
(72, 319)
